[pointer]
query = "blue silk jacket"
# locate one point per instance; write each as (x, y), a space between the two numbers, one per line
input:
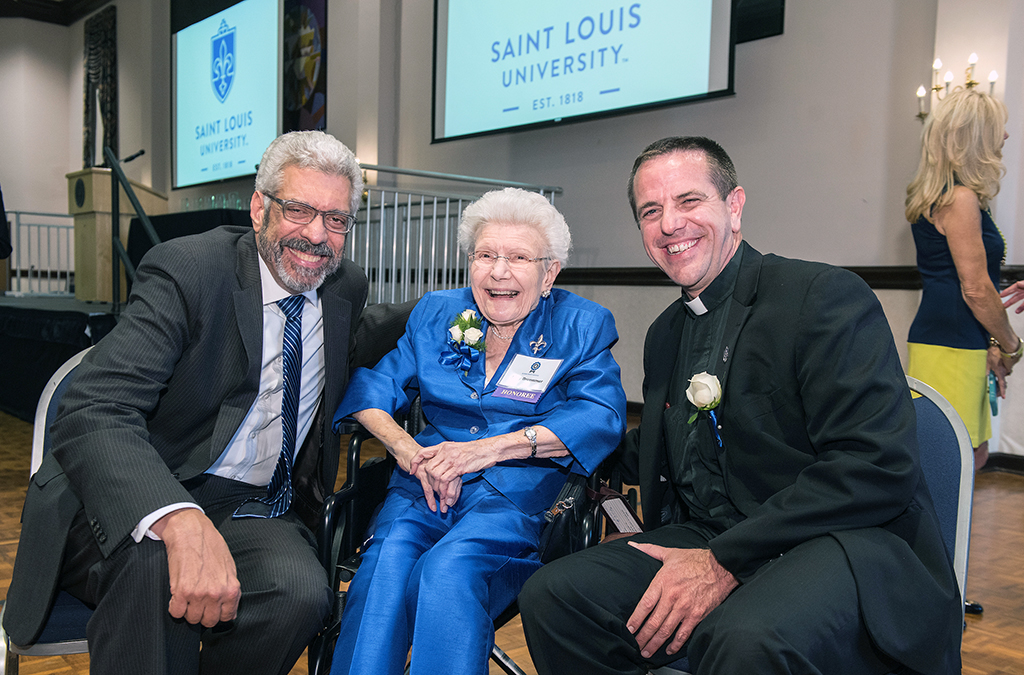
(584, 403)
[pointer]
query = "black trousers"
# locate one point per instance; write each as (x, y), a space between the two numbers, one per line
(285, 595)
(799, 614)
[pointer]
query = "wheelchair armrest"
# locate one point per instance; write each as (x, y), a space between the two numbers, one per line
(335, 513)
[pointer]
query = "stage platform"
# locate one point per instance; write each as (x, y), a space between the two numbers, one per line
(37, 335)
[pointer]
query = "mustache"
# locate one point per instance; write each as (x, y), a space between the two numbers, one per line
(303, 246)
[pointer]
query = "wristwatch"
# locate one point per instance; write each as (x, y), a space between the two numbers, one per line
(531, 436)
(1010, 355)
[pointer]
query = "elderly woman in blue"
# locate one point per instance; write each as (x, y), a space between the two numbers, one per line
(519, 388)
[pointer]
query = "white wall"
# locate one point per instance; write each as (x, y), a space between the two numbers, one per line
(994, 30)
(35, 136)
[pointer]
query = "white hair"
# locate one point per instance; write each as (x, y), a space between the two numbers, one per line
(513, 205)
(308, 150)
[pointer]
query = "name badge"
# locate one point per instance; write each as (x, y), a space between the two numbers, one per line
(527, 378)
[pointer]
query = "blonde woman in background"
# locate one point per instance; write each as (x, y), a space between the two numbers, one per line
(961, 332)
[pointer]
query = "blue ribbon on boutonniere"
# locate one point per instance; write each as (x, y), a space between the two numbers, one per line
(460, 355)
(713, 421)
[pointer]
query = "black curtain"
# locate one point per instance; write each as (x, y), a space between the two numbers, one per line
(101, 77)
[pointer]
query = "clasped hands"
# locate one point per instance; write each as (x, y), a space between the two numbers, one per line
(440, 467)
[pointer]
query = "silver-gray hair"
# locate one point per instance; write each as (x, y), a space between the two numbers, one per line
(308, 150)
(513, 205)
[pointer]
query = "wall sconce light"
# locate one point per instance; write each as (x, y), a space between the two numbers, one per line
(939, 90)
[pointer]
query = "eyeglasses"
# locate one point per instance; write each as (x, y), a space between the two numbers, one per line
(516, 261)
(338, 222)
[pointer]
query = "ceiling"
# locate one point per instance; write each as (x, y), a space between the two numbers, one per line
(62, 12)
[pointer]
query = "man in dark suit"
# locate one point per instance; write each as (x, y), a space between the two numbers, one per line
(154, 504)
(788, 528)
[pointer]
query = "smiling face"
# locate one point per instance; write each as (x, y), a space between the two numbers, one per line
(505, 295)
(689, 231)
(301, 256)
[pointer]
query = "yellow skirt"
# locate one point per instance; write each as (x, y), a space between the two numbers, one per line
(961, 376)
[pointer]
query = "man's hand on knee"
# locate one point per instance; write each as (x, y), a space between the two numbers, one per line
(204, 585)
(688, 586)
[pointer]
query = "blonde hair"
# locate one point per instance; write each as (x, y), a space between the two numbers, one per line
(961, 144)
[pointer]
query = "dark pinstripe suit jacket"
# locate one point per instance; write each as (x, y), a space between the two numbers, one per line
(156, 402)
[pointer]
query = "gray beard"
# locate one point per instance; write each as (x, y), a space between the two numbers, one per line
(304, 280)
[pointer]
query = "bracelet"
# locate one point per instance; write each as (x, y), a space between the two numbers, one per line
(531, 435)
(1009, 355)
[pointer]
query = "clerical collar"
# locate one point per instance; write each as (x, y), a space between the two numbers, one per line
(720, 289)
(696, 306)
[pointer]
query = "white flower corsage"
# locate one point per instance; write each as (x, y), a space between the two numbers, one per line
(465, 341)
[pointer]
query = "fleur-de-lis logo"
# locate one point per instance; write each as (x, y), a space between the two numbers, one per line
(538, 344)
(222, 61)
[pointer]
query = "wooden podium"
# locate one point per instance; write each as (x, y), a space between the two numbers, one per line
(89, 203)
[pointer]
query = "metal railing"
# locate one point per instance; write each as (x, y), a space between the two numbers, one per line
(119, 254)
(42, 258)
(406, 238)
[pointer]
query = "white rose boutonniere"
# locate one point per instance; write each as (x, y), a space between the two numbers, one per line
(705, 393)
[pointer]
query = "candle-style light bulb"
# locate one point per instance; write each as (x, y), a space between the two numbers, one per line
(992, 77)
(921, 93)
(972, 60)
(936, 65)
(948, 78)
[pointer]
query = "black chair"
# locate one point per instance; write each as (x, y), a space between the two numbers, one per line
(64, 632)
(346, 516)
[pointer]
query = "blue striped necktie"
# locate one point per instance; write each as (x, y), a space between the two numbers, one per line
(279, 492)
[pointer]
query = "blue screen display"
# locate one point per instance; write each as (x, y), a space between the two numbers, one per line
(501, 65)
(225, 92)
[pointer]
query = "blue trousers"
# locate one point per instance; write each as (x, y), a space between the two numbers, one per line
(435, 581)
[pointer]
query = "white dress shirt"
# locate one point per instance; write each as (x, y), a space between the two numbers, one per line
(251, 456)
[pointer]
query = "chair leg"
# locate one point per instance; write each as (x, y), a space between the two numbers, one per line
(505, 662)
(10, 662)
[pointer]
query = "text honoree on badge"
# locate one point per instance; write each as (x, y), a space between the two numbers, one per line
(527, 378)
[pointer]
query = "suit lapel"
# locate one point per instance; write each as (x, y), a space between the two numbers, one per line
(337, 314)
(660, 362)
(247, 302)
(739, 309)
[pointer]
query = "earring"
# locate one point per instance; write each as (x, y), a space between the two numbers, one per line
(545, 293)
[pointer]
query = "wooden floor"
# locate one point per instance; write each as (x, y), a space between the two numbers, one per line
(993, 642)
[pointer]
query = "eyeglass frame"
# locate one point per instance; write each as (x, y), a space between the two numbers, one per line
(351, 219)
(508, 260)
